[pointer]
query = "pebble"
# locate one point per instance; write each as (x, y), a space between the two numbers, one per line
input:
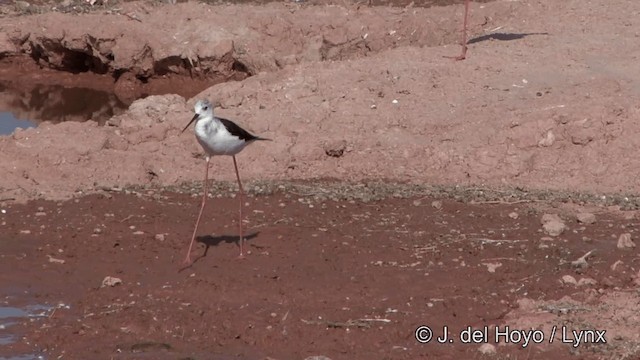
(514, 215)
(625, 242)
(111, 281)
(436, 204)
(587, 281)
(615, 265)
(553, 224)
(54, 260)
(317, 357)
(159, 237)
(586, 218)
(547, 140)
(568, 279)
(41, 213)
(26, 232)
(491, 267)
(138, 232)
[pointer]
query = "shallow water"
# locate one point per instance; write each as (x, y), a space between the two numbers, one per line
(9, 315)
(9, 122)
(27, 107)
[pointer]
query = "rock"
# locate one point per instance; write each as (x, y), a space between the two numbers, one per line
(127, 88)
(625, 242)
(159, 237)
(55, 260)
(317, 357)
(526, 304)
(586, 218)
(111, 281)
(21, 5)
(547, 140)
(587, 281)
(436, 204)
(568, 279)
(514, 215)
(487, 349)
(615, 265)
(6, 46)
(335, 148)
(553, 225)
(491, 267)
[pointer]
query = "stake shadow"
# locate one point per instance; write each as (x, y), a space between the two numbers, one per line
(503, 37)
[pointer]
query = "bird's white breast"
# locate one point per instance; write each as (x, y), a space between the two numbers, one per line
(216, 140)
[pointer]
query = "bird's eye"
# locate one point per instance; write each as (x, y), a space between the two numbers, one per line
(205, 108)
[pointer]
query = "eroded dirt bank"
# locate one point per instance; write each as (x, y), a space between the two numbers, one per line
(535, 107)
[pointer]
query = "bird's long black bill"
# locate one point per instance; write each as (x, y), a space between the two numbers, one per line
(190, 122)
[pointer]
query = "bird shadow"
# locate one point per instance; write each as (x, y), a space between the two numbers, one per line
(503, 37)
(209, 241)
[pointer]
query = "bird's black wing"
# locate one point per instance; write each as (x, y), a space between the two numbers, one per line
(235, 130)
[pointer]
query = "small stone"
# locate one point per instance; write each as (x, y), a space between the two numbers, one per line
(436, 204)
(21, 5)
(487, 349)
(54, 260)
(547, 140)
(25, 232)
(41, 213)
(317, 357)
(568, 279)
(111, 281)
(625, 242)
(335, 148)
(514, 215)
(138, 232)
(586, 218)
(97, 230)
(615, 265)
(159, 237)
(553, 224)
(586, 282)
(491, 267)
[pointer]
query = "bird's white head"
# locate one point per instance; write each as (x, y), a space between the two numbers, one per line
(203, 108)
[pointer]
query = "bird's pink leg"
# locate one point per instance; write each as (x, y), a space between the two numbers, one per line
(187, 260)
(240, 195)
(463, 54)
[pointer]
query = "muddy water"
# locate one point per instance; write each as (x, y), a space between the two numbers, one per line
(28, 106)
(9, 318)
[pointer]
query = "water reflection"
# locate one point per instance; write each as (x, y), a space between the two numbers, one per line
(24, 107)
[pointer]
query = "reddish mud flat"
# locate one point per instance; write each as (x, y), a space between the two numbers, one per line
(343, 279)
